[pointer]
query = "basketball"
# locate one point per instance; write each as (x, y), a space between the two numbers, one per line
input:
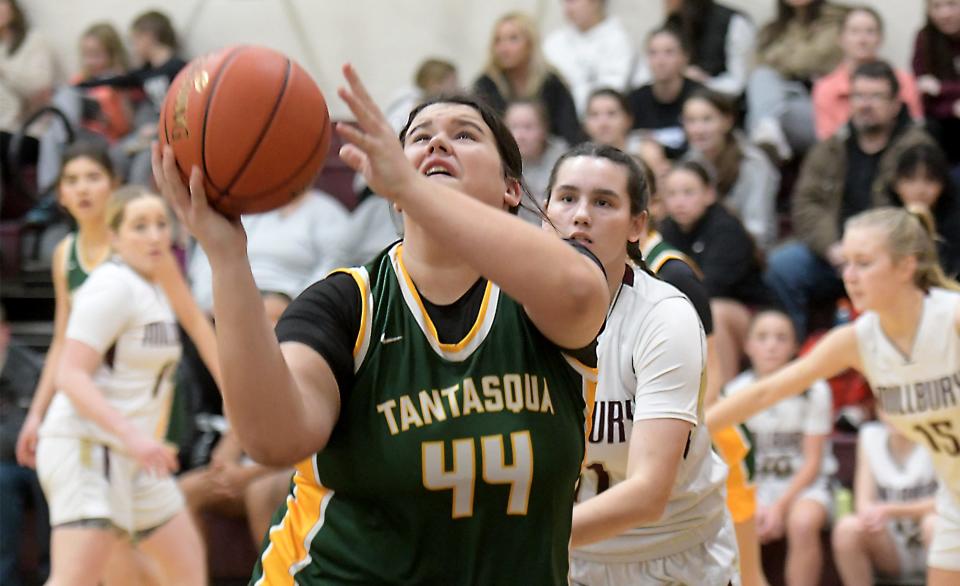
(255, 123)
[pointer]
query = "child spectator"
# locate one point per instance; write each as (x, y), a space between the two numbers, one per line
(747, 182)
(591, 51)
(657, 106)
(715, 239)
(527, 121)
(893, 487)
(792, 454)
(154, 44)
(922, 178)
(434, 77)
(516, 69)
(799, 46)
(608, 119)
(102, 54)
(860, 39)
(721, 42)
(936, 63)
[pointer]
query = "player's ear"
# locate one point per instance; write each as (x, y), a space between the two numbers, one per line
(513, 193)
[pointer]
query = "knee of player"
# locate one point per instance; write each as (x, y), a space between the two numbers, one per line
(847, 534)
(805, 520)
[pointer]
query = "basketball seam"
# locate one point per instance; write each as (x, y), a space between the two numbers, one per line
(206, 114)
(296, 171)
(263, 131)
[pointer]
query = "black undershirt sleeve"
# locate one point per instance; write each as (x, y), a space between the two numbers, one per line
(326, 317)
(680, 275)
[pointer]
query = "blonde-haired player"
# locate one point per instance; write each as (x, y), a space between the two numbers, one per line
(906, 343)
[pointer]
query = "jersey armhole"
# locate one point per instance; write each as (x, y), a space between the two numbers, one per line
(362, 343)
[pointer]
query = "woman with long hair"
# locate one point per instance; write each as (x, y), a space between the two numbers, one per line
(935, 63)
(516, 69)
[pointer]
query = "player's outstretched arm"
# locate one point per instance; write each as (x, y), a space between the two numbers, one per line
(836, 352)
(282, 407)
(564, 293)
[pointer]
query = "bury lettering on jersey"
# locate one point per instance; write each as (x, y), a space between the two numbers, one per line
(920, 396)
(486, 394)
(609, 422)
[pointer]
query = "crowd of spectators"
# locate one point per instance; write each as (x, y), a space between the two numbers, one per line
(763, 137)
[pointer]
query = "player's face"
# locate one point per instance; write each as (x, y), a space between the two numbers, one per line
(685, 197)
(945, 15)
(451, 143)
(143, 236)
(606, 121)
(589, 203)
(84, 189)
(920, 189)
(527, 129)
(511, 47)
(870, 273)
(94, 56)
(665, 57)
(860, 38)
(771, 342)
(705, 126)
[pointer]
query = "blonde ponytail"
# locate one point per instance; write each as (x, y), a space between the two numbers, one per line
(910, 232)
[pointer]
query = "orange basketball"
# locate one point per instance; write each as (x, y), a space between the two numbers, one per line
(253, 121)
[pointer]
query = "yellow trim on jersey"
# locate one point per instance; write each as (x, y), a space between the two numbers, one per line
(426, 317)
(733, 447)
(289, 549)
(589, 390)
(361, 280)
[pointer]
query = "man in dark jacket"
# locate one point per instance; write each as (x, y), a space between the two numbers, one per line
(847, 174)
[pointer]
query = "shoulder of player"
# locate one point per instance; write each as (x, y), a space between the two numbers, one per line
(657, 296)
(113, 276)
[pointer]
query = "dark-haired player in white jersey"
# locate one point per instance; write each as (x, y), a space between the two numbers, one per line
(650, 506)
(906, 343)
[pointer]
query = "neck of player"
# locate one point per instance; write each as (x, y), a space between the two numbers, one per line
(440, 276)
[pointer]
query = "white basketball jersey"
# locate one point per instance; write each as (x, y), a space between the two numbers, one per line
(920, 394)
(651, 358)
(129, 322)
(896, 481)
(777, 434)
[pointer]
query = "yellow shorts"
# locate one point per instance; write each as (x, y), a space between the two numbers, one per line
(733, 447)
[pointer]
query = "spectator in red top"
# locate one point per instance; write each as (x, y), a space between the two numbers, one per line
(860, 40)
(936, 64)
(102, 54)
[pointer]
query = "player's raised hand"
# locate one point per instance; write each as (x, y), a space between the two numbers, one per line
(373, 149)
(216, 233)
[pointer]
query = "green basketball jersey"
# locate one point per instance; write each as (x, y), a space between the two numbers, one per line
(76, 272)
(657, 251)
(449, 464)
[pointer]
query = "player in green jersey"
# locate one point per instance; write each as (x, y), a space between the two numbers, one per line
(436, 424)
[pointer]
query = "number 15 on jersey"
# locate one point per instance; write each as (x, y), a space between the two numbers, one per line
(461, 477)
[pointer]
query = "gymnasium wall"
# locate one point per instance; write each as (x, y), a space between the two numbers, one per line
(385, 39)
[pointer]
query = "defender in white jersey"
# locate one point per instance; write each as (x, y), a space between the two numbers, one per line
(907, 344)
(793, 462)
(651, 506)
(894, 486)
(100, 458)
